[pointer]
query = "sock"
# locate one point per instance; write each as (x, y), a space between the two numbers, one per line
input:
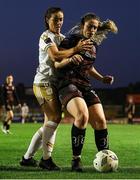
(4, 124)
(7, 127)
(35, 144)
(77, 138)
(101, 139)
(48, 138)
(23, 120)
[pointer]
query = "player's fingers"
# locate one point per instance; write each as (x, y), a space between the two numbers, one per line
(88, 48)
(79, 58)
(87, 41)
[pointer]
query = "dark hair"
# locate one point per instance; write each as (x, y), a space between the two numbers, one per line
(49, 13)
(88, 17)
(76, 29)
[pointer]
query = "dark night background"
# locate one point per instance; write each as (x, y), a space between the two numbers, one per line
(22, 23)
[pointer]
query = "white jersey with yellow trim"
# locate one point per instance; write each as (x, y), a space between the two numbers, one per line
(45, 68)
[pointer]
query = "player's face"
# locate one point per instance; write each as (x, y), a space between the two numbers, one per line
(56, 22)
(130, 100)
(9, 79)
(90, 27)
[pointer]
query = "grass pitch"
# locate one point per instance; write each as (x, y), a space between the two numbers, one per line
(124, 141)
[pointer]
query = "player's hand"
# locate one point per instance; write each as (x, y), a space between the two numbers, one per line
(108, 79)
(84, 45)
(76, 59)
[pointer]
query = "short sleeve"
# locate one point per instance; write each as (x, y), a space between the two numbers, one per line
(45, 42)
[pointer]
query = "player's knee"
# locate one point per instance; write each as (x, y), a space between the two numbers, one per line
(10, 118)
(55, 118)
(81, 119)
(101, 124)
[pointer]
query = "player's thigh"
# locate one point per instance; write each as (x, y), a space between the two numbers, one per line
(97, 116)
(10, 114)
(48, 100)
(77, 108)
(52, 110)
(71, 98)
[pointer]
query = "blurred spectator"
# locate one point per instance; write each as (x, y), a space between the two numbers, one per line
(130, 110)
(24, 113)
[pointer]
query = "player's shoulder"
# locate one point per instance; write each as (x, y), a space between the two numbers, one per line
(74, 37)
(62, 36)
(70, 41)
(48, 36)
(45, 35)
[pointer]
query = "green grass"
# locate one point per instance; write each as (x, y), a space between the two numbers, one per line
(124, 141)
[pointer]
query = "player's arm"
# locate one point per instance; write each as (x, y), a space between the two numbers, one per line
(62, 63)
(58, 55)
(46, 44)
(75, 59)
(105, 79)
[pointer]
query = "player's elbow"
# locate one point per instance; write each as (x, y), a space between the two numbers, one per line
(55, 57)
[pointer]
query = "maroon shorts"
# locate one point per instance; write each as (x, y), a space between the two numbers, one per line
(69, 92)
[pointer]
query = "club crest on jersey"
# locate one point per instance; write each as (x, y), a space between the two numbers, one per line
(49, 91)
(92, 53)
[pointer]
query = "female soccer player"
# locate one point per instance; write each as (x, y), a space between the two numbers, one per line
(9, 96)
(24, 112)
(75, 91)
(45, 92)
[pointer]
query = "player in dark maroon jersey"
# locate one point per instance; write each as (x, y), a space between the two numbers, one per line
(9, 97)
(75, 91)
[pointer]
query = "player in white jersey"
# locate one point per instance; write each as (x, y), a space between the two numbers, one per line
(24, 112)
(45, 91)
(45, 68)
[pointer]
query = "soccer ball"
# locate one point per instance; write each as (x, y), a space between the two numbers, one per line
(105, 161)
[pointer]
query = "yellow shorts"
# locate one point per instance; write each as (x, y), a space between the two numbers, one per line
(44, 93)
